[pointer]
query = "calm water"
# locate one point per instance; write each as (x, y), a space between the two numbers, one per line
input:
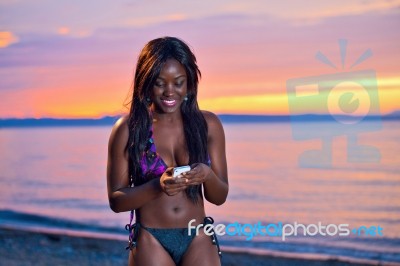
(61, 173)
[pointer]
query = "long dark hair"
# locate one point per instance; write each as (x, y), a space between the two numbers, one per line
(149, 65)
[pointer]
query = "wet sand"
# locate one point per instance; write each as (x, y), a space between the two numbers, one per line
(19, 247)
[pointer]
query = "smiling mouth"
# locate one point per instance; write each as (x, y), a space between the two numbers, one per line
(169, 102)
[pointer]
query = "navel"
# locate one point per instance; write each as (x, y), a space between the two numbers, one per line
(176, 209)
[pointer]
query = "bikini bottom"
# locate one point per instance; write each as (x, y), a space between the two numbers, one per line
(175, 241)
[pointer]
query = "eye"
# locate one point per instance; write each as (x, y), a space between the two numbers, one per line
(179, 83)
(159, 84)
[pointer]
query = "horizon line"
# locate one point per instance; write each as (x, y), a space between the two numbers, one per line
(396, 112)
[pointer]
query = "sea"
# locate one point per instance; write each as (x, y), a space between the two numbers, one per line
(339, 202)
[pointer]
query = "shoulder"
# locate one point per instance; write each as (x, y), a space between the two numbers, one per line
(121, 126)
(120, 133)
(213, 123)
(211, 118)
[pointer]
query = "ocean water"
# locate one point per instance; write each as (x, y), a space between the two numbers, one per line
(55, 177)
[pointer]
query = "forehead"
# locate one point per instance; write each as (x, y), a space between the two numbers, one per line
(172, 68)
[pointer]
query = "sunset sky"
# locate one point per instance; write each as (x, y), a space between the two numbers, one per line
(77, 58)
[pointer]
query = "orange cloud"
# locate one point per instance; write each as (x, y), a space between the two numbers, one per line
(63, 30)
(276, 104)
(176, 17)
(7, 38)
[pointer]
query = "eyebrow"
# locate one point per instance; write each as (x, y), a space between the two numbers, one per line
(174, 78)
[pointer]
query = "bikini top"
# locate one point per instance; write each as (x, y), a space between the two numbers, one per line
(151, 162)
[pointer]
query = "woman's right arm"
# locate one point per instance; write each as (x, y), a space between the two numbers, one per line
(120, 196)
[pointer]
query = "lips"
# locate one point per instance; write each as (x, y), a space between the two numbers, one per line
(169, 103)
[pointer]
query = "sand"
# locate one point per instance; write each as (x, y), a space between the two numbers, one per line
(18, 247)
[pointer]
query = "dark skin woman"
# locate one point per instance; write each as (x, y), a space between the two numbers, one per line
(165, 129)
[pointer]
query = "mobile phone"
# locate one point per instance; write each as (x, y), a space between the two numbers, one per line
(181, 169)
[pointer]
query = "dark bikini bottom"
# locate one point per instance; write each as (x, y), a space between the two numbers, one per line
(175, 241)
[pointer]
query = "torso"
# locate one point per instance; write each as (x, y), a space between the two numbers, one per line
(170, 211)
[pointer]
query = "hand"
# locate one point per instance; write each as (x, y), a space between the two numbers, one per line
(171, 185)
(198, 174)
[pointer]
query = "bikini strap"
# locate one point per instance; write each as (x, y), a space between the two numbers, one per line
(133, 231)
(131, 228)
(214, 239)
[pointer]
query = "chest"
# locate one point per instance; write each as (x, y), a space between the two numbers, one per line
(170, 145)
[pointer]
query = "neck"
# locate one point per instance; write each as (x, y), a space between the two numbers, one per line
(166, 117)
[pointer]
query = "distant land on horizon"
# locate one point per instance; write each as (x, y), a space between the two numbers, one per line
(225, 118)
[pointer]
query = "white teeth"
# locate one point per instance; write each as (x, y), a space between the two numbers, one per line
(169, 102)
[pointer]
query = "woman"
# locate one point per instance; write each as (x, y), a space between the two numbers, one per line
(163, 130)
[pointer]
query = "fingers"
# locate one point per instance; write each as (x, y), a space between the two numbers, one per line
(175, 180)
(171, 185)
(169, 171)
(193, 172)
(192, 179)
(172, 189)
(192, 166)
(196, 176)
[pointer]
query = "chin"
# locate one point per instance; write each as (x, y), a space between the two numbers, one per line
(171, 110)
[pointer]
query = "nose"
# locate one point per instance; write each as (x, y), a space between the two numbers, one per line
(169, 90)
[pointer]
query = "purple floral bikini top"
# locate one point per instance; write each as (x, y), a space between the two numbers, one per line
(151, 162)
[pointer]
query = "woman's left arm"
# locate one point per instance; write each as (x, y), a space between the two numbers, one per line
(214, 178)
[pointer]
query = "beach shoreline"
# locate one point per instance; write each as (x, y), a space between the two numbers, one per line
(39, 247)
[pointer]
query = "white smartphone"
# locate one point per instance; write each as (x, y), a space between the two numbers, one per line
(181, 169)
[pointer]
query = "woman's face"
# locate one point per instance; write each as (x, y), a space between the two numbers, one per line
(170, 88)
